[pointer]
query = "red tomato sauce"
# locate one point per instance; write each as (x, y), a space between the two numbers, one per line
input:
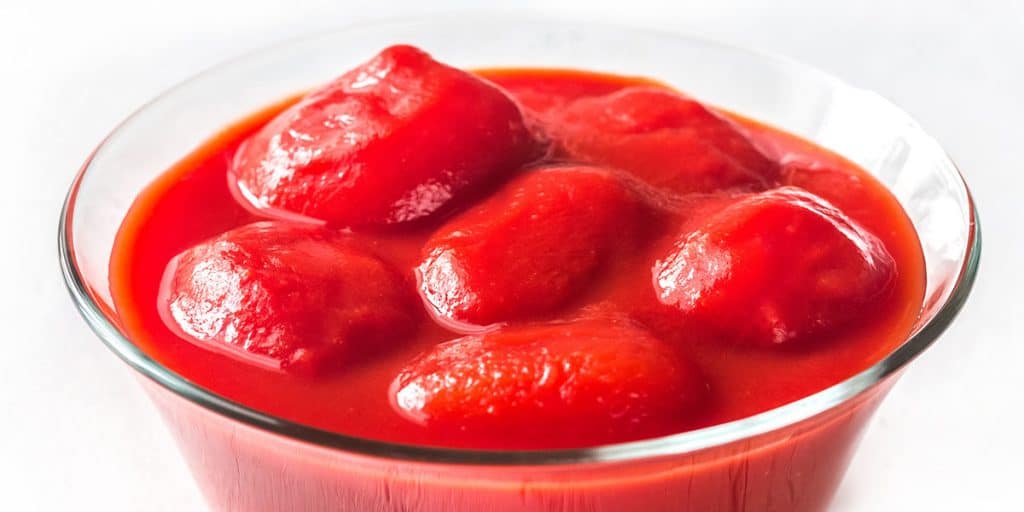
(193, 202)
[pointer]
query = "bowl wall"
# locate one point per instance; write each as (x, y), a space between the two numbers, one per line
(794, 469)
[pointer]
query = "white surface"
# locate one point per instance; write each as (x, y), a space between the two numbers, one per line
(76, 432)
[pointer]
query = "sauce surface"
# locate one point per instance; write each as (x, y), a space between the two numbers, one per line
(192, 202)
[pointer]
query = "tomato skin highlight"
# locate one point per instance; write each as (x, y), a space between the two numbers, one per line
(391, 141)
(285, 296)
(600, 379)
(774, 269)
(531, 247)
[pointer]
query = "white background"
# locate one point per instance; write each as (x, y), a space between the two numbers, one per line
(76, 432)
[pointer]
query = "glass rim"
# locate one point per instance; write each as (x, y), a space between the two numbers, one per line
(675, 444)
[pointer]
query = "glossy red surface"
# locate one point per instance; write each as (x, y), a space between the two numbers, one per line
(774, 269)
(666, 139)
(552, 241)
(287, 296)
(533, 247)
(606, 379)
(393, 140)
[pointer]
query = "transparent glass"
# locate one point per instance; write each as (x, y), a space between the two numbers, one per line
(791, 458)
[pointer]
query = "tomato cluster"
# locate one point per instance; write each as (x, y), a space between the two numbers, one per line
(529, 213)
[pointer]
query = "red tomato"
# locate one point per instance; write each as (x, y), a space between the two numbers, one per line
(774, 269)
(285, 296)
(665, 139)
(391, 141)
(596, 380)
(530, 248)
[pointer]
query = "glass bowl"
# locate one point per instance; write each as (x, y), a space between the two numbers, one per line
(791, 458)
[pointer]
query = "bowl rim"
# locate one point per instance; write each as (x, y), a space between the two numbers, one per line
(676, 444)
